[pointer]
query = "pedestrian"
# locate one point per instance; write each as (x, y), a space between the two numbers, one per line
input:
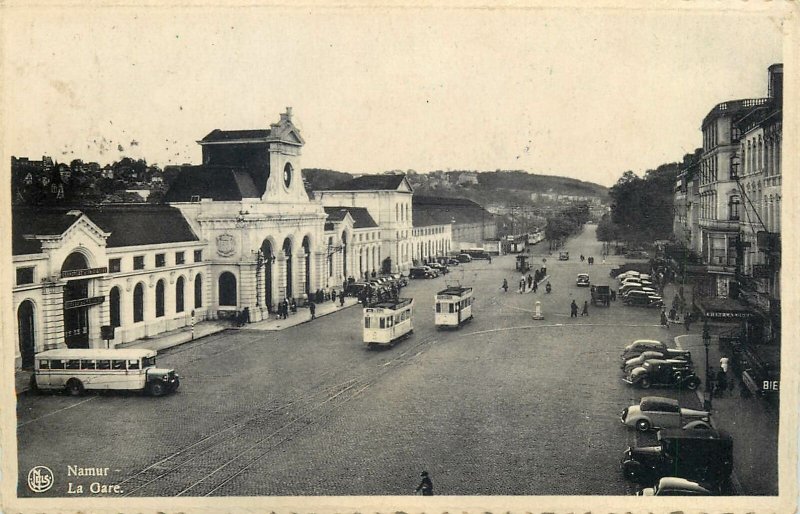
(521, 285)
(246, 315)
(505, 286)
(573, 310)
(333, 296)
(675, 302)
(613, 295)
(535, 287)
(312, 308)
(664, 320)
(530, 280)
(585, 311)
(425, 485)
(724, 363)
(687, 320)
(294, 306)
(722, 382)
(341, 298)
(673, 314)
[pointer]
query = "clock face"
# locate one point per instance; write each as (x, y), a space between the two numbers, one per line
(287, 175)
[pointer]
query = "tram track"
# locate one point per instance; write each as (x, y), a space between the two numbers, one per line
(210, 463)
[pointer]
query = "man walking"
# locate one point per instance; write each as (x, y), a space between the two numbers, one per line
(573, 310)
(312, 308)
(341, 298)
(585, 311)
(426, 486)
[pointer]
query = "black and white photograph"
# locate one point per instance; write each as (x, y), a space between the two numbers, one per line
(399, 257)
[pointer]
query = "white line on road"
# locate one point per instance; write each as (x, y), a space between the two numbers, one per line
(57, 411)
(503, 329)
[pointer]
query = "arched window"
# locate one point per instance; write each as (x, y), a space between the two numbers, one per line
(138, 303)
(733, 207)
(159, 299)
(227, 289)
(179, 295)
(198, 291)
(113, 298)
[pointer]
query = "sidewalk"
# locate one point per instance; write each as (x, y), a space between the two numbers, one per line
(751, 422)
(173, 338)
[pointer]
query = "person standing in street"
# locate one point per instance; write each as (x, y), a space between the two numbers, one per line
(535, 287)
(585, 311)
(341, 298)
(687, 320)
(425, 485)
(505, 286)
(573, 308)
(722, 382)
(312, 308)
(664, 320)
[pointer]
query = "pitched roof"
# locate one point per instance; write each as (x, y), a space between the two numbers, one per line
(221, 183)
(432, 210)
(370, 183)
(360, 215)
(218, 135)
(129, 225)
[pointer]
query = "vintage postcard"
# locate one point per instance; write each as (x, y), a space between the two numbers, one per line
(399, 257)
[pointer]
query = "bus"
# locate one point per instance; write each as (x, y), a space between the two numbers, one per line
(79, 369)
(388, 321)
(453, 307)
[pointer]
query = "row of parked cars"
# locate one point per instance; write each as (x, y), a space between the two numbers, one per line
(638, 290)
(690, 458)
(438, 267)
(382, 284)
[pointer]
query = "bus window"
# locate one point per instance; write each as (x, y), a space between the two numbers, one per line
(57, 364)
(44, 364)
(117, 364)
(104, 364)
(383, 322)
(366, 322)
(133, 364)
(87, 364)
(73, 364)
(148, 362)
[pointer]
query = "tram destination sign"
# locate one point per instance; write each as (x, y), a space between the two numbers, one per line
(83, 272)
(84, 302)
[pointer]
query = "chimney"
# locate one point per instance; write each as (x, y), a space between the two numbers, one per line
(776, 82)
(287, 116)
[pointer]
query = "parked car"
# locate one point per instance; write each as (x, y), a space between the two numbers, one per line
(635, 362)
(452, 261)
(399, 279)
(463, 257)
(582, 280)
(441, 268)
(601, 295)
(422, 272)
(702, 455)
(664, 373)
(627, 274)
(639, 346)
(563, 256)
(674, 486)
(659, 412)
(650, 291)
(643, 299)
(355, 289)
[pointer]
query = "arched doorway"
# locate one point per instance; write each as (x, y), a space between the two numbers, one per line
(269, 258)
(27, 334)
(227, 289)
(287, 253)
(76, 315)
(307, 252)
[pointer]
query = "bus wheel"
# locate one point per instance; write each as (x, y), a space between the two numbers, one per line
(156, 388)
(74, 387)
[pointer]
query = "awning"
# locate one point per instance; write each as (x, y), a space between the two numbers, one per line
(723, 309)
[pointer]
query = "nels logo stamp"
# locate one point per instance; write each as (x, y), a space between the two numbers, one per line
(40, 479)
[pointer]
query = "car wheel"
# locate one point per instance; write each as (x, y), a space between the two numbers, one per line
(692, 384)
(643, 425)
(631, 470)
(644, 383)
(74, 387)
(156, 388)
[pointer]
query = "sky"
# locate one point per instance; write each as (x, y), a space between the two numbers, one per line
(581, 93)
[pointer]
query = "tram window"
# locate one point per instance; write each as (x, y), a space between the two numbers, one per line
(438, 307)
(133, 364)
(87, 364)
(44, 364)
(105, 364)
(366, 322)
(452, 308)
(383, 322)
(57, 364)
(73, 364)
(117, 364)
(396, 319)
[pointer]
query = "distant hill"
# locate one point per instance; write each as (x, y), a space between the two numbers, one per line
(499, 186)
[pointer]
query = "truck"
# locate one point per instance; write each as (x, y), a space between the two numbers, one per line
(601, 295)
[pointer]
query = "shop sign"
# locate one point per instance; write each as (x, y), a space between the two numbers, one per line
(84, 302)
(727, 314)
(83, 272)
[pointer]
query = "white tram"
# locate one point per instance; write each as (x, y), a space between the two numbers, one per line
(453, 307)
(386, 322)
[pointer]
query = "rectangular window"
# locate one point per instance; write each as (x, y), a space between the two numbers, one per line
(179, 258)
(133, 364)
(117, 364)
(25, 275)
(138, 262)
(88, 364)
(73, 364)
(57, 364)
(366, 322)
(438, 307)
(44, 364)
(104, 364)
(114, 265)
(383, 322)
(198, 256)
(161, 260)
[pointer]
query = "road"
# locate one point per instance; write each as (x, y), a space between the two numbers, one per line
(506, 405)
